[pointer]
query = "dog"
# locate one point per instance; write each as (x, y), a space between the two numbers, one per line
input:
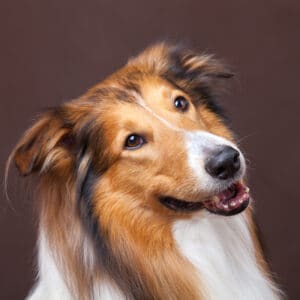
(140, 188)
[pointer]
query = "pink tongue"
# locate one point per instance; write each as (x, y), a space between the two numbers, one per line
(230, 201)
(227, 194)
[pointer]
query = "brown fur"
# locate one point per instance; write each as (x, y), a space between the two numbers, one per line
(95, 195)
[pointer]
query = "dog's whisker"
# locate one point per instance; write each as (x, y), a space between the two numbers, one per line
(246, 137)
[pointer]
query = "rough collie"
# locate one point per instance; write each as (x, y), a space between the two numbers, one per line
(140, 189)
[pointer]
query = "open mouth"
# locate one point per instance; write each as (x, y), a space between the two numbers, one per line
(230, 201)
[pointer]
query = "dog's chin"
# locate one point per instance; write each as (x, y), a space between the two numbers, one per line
(228, 202)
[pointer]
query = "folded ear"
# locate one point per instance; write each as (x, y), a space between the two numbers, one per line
(200, 73)
(48, 141)
(186, 69)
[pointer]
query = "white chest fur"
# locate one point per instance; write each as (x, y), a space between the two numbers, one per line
(220, 248)
(51, 286)
(222, 251)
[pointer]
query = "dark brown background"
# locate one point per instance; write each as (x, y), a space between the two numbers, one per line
(52, 51)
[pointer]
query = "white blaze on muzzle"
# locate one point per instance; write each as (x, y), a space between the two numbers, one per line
(200, 145)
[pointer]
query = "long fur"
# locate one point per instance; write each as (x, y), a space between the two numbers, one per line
(102, 232)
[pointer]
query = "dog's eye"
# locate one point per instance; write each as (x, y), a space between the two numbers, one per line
(134, 141)
(181, 103)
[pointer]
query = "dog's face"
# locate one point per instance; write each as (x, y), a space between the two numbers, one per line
(149, 138)
(169, 153)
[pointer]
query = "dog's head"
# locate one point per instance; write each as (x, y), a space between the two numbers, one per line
(118, 166)
(149, 138)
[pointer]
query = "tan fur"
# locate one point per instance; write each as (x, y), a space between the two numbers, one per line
(124, 198)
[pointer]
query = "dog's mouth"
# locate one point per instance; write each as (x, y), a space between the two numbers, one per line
(230, 201)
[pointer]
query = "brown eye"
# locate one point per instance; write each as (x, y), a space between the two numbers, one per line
(181, 103)
(134, 141)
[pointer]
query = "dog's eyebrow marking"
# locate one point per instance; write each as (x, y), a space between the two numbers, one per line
(206, 137)
(190, 135)
(141, 102)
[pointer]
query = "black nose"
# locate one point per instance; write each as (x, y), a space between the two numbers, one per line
(224, 164)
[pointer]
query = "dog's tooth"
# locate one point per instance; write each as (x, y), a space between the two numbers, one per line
(225, 206)
(232, 203)
(241, 200)
(247, 190)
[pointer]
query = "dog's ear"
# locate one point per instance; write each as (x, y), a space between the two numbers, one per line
(189, 70)
(59, 139)
(199, 73)
(47, 141)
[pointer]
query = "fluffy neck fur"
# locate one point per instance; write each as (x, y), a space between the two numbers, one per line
(206, 257)
(222, 250)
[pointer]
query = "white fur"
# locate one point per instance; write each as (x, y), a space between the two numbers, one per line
(199, 146)
(222, 251)
(107, 291)
(51, 285)
(220, 248)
